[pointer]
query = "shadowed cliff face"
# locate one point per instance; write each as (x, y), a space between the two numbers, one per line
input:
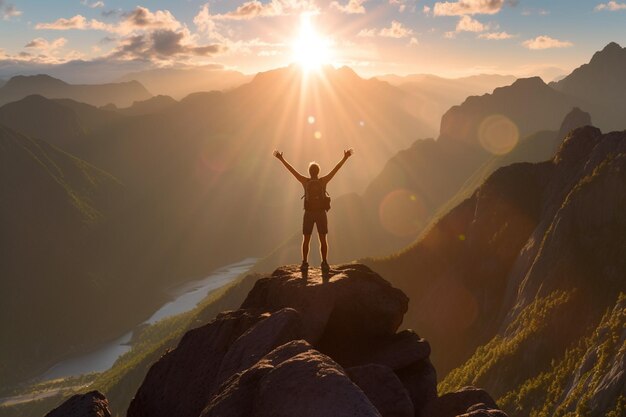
(319, 345)
(525, 267)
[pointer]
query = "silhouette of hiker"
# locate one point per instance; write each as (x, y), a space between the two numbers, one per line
(316, 204)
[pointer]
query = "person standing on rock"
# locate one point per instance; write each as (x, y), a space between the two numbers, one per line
(316, 204)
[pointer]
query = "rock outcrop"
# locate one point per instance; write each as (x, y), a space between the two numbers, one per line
(316, 345)
(91, 404)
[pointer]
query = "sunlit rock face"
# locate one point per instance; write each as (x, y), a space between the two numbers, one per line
(305, 344)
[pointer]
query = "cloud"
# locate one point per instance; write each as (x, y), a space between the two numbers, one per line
(367, 33)
(41, 43)
(396, 30)
(143, 19)
(162, 45)
(94, 5)
(414, 41)
(467, 24)
(8, 10)
(400, 3)
(203, 20)
(611, 6)
(79, 22)
(469, 7)
(496, 36)
(139, 19)
(545, 42)
(530, 12)
(352, 7)
(255, 8)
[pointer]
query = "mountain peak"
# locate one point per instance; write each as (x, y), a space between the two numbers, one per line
(531, 82)
(574, 119)
(32, 80)
(612, 52)
(613, 46)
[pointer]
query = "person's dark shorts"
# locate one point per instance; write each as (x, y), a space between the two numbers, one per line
(312, 217)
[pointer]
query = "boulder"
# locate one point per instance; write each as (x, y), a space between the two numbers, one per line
(292, 380)
(181, 382)
(420, 381)
(384, 390)
(354, 303)
(396, 351)
(91, 404)
(456, 403)
(281, 327)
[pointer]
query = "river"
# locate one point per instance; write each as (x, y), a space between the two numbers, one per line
(186, 297)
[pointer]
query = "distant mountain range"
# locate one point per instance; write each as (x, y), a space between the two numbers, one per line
(179, 83)
(120, 94)
(433, 96)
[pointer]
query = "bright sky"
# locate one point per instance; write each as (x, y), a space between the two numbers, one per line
(449, 38)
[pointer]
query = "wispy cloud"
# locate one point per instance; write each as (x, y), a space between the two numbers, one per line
(546, 42)
(351, 7)
(8, 10)
(496, 36)
(78, 22)
(469, 7)
(44, 44)
(397, 30)
(401, 4)
(611, 6)
(138, 19)
(93, 5)
(468, 24)
(255, 8)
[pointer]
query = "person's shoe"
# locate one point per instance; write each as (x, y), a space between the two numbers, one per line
(325, 267)
(304, 266)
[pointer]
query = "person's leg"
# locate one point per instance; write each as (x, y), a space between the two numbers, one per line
(306, 239)
(307, 230)
(323, 247)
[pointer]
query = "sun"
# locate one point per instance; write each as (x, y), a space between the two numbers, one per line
(310, 50)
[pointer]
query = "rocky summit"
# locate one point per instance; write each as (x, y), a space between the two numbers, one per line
(306, 345)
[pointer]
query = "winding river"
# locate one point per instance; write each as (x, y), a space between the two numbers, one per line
(186, 297)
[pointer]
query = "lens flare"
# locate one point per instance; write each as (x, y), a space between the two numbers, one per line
(402, 213)
(498, 134)
(317, 135)
(311, 119)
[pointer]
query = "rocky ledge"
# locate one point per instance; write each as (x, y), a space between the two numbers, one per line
(305, 346)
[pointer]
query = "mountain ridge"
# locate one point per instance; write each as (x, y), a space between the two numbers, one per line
(121, 94)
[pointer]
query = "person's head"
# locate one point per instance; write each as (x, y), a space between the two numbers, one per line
(314, 169)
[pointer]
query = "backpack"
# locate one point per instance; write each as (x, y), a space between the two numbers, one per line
(315, 196)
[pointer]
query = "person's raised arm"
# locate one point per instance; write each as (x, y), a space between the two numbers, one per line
(299, 177)
(346, 154)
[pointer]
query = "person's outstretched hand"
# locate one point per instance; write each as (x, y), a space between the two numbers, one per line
(348, 153)
(278, 155)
